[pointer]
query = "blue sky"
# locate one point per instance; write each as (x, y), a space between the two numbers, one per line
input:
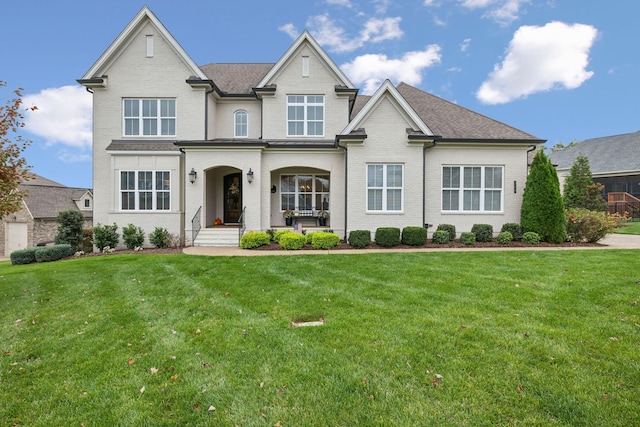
(561, 70)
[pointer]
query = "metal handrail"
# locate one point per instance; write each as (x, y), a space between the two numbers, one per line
(242, 225)
(196, 225)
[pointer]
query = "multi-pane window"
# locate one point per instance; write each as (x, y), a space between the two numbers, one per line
(385, 187)
(241, 124)
(145, 190)
(305, 115)
(304, 192)
(149, 117)
(472, 188)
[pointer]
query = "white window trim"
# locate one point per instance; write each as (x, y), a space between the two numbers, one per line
(136, 191)
(305, 66)
(305, 121)
(149, 39)
(313, 191)
(235, 123)
(141, 118)
(384, 189)
(482, 190)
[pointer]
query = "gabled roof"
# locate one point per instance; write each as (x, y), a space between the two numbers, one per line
(236, 79)
(607, 155)
(145, 14)
(46, 198)
(453, 122)
(386, 88)
(305, 37)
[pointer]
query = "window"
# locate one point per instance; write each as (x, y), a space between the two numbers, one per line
(384, 188)
(304, 192)
(145, 190)
(472, 188)
(149, 117)
(305, 115)
(87, 203)
(149, 46)
(305, 66)
(241, 121)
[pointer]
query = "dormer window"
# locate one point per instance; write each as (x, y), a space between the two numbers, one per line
(305, 115)
(241, 124)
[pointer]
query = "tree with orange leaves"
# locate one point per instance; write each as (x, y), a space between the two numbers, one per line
(13, 167)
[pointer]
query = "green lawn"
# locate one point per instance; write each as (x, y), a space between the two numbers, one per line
(483, 338)
(629, 228)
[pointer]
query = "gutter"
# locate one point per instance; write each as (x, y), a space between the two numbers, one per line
(346, 180)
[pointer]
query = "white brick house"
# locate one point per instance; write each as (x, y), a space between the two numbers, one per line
(264, 138)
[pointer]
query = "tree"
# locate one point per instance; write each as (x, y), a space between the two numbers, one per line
(579, 189)
(70, 228)
(13, 167)
(542, 208)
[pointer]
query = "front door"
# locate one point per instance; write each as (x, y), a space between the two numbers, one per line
(232, 198)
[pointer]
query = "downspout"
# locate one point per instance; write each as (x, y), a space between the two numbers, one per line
(206, 112)
(346, 174)
(424, 182)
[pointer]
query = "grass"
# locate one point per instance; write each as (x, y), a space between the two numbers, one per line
(629, 228)
(483, 338)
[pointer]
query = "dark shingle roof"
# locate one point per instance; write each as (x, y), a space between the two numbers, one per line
(46, 198)
(618, 153)
(236, 78)
(141, 145)
(451, 121)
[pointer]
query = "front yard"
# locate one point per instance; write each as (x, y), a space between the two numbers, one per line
(482, 338)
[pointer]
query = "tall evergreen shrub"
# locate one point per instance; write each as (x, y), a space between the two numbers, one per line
(542, 207)
(70, 229)
(579, 189)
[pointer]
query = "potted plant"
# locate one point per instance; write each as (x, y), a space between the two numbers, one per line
(322, 218)
(288, 217)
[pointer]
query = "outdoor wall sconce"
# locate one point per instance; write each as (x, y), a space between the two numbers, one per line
(273, 189)
(250, 176)
(193, 175)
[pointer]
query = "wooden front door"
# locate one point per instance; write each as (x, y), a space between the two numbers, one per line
(232, 198)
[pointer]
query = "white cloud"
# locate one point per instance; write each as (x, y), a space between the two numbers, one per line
(334, 38)
(504, 12)
(63, 116)
(540, 59)
(464, 46)
(371, 70)
(345, 3)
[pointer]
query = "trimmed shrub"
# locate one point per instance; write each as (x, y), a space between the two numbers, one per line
(504, 238)
(292, 241)
(70, 228)
(483, 232)
(133, 236)
(414, 236)
(388, 237)
(105, 235)
(324, 240)
(359, 238)
(441, 237)
(450, 228)
(584, 225)
(160, 238)
(54, 252)
(279, 233)
(23, 256)
(514, 229)
(531, 238)
(468, 238)
(254, 239)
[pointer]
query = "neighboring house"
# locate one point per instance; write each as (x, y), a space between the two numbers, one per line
(179, 146)
(614, 162)
(35, 224)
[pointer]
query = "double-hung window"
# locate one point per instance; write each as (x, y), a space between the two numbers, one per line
(472, 188)
(304, 192)
(385, 187)
(305, 115)
(149, 117)
(145, 190)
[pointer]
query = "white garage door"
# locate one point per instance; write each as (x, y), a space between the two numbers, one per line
(15, 237)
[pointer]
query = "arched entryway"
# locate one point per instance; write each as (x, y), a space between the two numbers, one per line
(223, 193)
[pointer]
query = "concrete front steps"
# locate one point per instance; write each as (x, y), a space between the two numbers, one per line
(218, 236)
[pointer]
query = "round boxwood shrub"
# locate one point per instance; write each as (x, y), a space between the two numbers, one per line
(441, 237)
(450, 228)
(278, 234)
(504, 238)
(292, 241)
(468, 238)
(105, 235)
(324, 240)
(483, 232)
(513, 228)
(359, 238)
(133, 236)
(160, 238)
(388, 237)
(414, 236)
(254, 239)
(531, 238)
